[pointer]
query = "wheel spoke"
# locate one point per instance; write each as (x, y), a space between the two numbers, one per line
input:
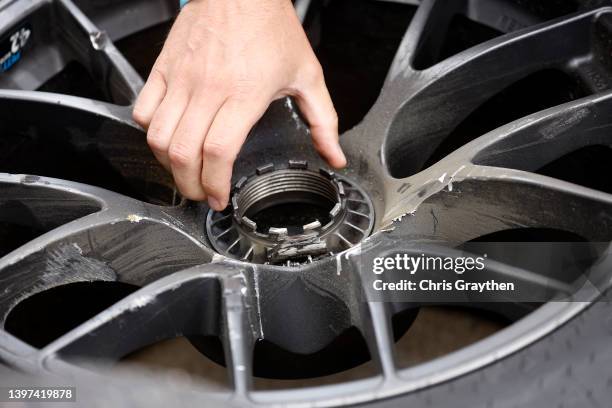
(74, 38)
(128, 242)
(429, 26)
(379, 336)
(120, 19)
(16, 353)
(239, 332)
(502, 262)
(301, 8)
(485, 199)
(405, 122)
(558, 230)
(40, 104)
(552, 218)
(186, 303)
(80, 140)
(529, 144)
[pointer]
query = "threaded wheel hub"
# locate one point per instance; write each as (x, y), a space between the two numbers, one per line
(290, 216)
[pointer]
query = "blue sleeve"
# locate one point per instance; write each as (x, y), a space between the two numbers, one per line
(183, 2)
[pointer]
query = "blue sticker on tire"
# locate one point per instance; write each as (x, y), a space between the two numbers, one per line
(12, 46)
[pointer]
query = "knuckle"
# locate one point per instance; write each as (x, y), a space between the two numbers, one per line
(140, 117)
(209, 184)
(243, 88)
(215, 150)
(156, 141)
(183, 77)
(209, 187)
(181, 155)
(214, 85)
(157, 74)
(181, 82)
(215, 189)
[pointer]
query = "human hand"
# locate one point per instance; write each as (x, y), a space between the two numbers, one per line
(221, 66)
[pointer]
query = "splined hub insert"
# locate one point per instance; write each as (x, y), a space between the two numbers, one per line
(344, 216)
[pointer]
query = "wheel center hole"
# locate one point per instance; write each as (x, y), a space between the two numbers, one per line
(291, 210)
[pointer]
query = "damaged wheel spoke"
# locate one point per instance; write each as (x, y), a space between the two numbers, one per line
(185, 303)
(538, 143)
(72, 239)
(238, 334)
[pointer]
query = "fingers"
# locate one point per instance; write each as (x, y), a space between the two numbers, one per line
(149, 99)
(165, 122)
(198, 138)
(318, 109)
(185, 150)
(222, 144)
(154, 90)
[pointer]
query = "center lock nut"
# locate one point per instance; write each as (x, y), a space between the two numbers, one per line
(347, 219)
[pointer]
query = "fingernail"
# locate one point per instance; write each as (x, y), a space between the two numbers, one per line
(341, 157)
(215, 204)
